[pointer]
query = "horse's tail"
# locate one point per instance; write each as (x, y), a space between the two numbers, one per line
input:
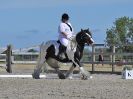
(41, 51)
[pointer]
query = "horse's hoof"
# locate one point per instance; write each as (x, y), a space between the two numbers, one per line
(35, 76)
(85, 75)
(90, 77)
(70, 77)
(61, 76)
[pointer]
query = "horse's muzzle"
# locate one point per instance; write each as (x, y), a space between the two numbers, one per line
(90, 42)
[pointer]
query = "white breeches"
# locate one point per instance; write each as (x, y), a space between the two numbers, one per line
(64, 41)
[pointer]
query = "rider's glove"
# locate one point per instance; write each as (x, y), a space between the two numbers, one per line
(69, 37)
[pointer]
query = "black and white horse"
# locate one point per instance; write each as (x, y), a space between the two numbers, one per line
(49, 54)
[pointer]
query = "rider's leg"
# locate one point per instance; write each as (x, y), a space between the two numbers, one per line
(63, 47)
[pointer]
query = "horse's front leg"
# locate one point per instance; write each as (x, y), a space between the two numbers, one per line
(83, 73)
(70, 71)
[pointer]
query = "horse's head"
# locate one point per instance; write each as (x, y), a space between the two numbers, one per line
(84, 36)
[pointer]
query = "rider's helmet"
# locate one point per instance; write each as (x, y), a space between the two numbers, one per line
(65, 16)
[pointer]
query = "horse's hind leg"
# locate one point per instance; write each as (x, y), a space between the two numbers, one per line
(55, 64)
(60, 74)
(38, 69)
(40, 63)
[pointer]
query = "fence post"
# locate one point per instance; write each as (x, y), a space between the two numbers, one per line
(113, 59)
(93, 58)
(8, 59)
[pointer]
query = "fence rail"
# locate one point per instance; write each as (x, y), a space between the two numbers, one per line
(2, 57)
(8, 58)
(111, 63)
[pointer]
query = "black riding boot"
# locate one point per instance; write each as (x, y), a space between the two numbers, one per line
(62, 50)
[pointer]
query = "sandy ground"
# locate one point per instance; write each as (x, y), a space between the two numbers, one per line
(101, 86)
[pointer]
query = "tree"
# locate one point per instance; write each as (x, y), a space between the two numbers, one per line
(121, 33)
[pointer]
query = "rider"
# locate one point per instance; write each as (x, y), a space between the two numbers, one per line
(65, 31)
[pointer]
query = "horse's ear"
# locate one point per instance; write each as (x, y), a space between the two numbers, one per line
(81, 30)
(88, 29)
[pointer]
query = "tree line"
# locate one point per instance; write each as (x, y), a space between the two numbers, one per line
(121, 34)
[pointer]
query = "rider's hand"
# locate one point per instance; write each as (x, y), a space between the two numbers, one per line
(69, 37)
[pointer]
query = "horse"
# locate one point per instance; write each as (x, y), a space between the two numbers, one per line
(74, 52)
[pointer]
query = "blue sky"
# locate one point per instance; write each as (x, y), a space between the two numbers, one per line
(25, 23)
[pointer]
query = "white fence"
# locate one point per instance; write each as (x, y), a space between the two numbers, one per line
(2, 57)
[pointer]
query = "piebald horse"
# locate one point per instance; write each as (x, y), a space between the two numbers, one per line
(49, 54)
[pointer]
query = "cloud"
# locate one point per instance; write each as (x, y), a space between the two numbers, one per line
(27, 34)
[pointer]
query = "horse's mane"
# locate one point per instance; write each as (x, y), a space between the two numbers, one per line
(74, 37)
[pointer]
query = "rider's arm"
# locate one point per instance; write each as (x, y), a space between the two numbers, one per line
(63, 30)
(64, 33)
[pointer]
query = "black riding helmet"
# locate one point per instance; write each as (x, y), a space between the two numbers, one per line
(65, 16)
